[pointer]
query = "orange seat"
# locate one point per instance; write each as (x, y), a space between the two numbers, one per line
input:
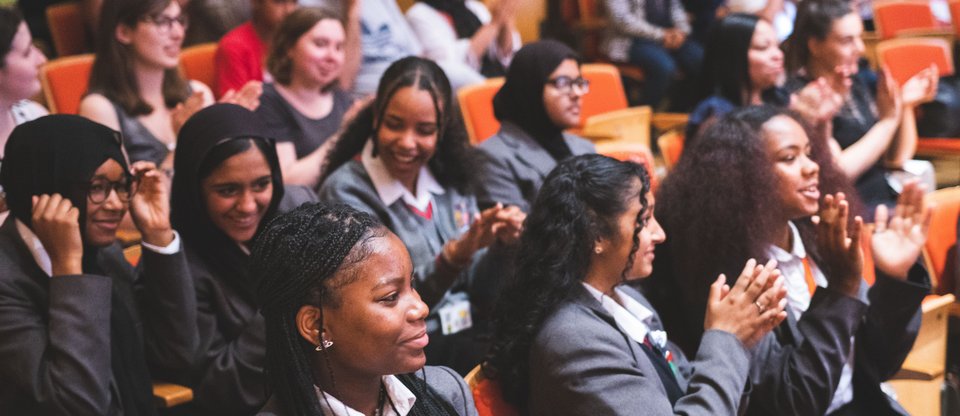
(906, 57)
(894, 17)
(197, 62)
(606, 91)
(65, 82)
(671, 146)
(955, 16)
(476, 104)
(67, 29)
(487, 395)
(940, 249)
(631, 152)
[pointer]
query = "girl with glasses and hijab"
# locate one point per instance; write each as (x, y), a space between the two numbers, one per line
(540, 99)
(79, 324)
(346, 330)
(227, 187)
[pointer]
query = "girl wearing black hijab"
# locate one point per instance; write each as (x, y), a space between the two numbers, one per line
(227, 186)
(465, 38)
(78, 324)
(539, 100)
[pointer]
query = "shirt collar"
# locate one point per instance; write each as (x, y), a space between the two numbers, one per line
(402, 398)
(632, 316)
(797, 251)
(36, 247)
(390, 190)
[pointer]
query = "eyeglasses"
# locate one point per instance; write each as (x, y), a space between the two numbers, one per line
(165, 23)
(565, 84)
(98, 190)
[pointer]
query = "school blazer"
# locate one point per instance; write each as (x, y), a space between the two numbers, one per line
(55, 332)
(514, 166)
(583, 363)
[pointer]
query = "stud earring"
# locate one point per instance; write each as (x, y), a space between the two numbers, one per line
(326, 344)
(598, 250)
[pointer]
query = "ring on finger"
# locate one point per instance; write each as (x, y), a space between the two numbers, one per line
(759, 306)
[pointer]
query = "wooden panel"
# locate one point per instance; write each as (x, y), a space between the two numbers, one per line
(169, 395)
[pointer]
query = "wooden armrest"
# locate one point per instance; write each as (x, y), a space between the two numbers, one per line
(923, 373)
(167, 395)
(934, 302)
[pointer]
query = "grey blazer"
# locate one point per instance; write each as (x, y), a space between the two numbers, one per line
(583, 363)
(444, 381)
(797, 366)
(55, 332)
(514, 166)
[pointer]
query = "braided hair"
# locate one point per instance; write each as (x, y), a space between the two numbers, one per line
(580, 201)
(303, 258)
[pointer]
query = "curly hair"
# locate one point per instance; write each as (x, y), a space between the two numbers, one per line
(718, 208)
(581, 200)
(454, 162)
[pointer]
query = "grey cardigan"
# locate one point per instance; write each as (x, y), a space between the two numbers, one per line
(583, 363)
(514, 166)
(444, 381)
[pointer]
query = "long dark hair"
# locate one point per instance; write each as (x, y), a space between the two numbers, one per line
(113, 68)
(580, 201)
(719, 208)
(814, 21)
(453, 163)
(726, 55)
(10, 19)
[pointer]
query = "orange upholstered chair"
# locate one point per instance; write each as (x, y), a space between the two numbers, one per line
(476, 104)
(632, 152)
(197, 62)
(906, 57)
(955, 16)
(940, 250)
(606, 90)
(487, 396)
(65, 81)
(671, 146)
(896, 16)
(67, 29)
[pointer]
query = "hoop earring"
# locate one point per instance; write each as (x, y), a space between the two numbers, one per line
(324, 344)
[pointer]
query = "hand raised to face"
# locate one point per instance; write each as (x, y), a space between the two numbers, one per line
(56, 223)
(150, 206)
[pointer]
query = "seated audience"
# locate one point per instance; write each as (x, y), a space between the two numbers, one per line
(305, 106)
(654, 35)
(572, 339)
(135, 84)
(242, 51)
(227, 187)
(539, 100)
(465, 39)
(747, 69)
(345, 328)
(384, 37)
(875, 130)
(19, 79)
(405, 159)
(841, 338)
(80, 328)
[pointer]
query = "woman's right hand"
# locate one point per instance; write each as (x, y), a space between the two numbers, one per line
(839, 247)
(56, 223)
(483, 231)
(752, 308)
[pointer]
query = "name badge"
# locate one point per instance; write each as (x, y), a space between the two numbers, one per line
(455, 317)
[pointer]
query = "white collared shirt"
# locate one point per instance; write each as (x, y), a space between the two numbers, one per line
(390, 189)
(399, 395)
(631, 315)
(798, 300)
(42, 258)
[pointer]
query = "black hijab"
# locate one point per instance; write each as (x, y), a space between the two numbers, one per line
(204, 132)
(520, 100)
(59, 154)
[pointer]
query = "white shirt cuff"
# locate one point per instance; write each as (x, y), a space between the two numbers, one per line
(172, 248)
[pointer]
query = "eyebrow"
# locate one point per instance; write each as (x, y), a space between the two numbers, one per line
(398, 280)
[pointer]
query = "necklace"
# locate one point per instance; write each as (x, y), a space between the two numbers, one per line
(380, 400)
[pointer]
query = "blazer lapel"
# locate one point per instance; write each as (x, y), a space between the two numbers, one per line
(527, 151)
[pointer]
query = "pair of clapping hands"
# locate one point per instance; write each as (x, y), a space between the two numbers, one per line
(755, 304)
(495, 223)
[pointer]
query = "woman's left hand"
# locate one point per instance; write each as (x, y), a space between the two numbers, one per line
(898, 241)
(509, 224)
(921, 88)
(150, 206)
(248, 96)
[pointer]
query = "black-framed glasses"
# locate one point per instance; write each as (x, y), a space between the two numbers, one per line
(165, 23)
(99, 189)
(565, 84)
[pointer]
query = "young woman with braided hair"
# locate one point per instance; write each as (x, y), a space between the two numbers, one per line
(342, 318)
(572, 339)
